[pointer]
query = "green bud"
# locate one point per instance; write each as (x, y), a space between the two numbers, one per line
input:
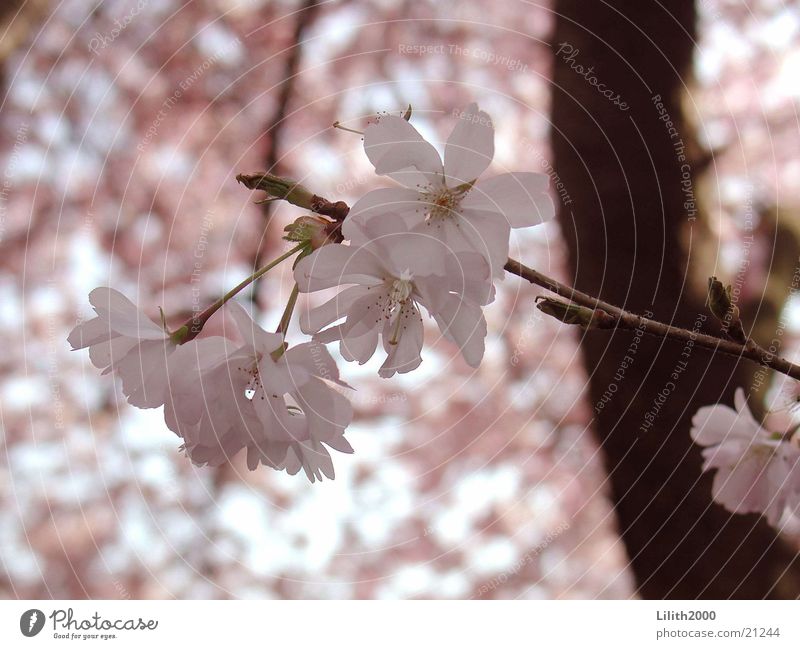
(313, 230)
(575, 314)
(723, 308)
(283, 188)
(719, 298)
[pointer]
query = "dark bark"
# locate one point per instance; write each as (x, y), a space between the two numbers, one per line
(627, 230)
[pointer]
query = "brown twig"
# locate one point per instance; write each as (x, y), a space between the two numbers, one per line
(604, 316)
(630, 321)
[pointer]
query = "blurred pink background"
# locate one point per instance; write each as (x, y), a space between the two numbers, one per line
(121, 142)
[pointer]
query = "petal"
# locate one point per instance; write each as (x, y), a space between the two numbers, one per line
(312, 359)
(91, 332)
(277, 422)
(470, 147)
(122, 315)
(489, 235)
(315, 459)
(521, 197)
(405, 355)
(382, 204)
(338, 264)
(721, 424)
(361, 330)
(292, 463)
(463, 324)
(339, 444)
(359, 342)
(250, 332)
(396, 149)
(314, 320)
(743, 489)
(328, 412)
(104, 355)
(469, 275)
(329, 335)
(144, 373)
(712, 424)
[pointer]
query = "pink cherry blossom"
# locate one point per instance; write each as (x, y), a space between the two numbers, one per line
(445, 199)
(226, 396)
(123, 340)
(393, 272)
(757, 471)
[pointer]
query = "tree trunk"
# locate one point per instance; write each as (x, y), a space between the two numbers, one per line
(632, 233)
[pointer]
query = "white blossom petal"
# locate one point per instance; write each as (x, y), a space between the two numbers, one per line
(379, 204)
(314, 320)
(521, 198)
(404, 355)
(338, 264)
(123, 316)
(463, 324)
(470, 147)
(396, 149)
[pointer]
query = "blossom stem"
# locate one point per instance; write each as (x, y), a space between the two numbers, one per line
(283, 325)
(631, 321)
(194, 325)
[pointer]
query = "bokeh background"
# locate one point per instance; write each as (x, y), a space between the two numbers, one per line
(123, 127)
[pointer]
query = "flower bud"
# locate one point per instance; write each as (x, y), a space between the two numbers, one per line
(314, 230)
(575, 314)
(283, 188)
(721, 305)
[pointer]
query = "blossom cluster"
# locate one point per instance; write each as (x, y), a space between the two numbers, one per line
(757, 471)
(223, 394)
(434, 244)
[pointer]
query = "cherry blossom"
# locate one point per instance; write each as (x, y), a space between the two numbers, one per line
(445, 199)
(757, 471)
(124, 340)
(393, 271)
(279, 405)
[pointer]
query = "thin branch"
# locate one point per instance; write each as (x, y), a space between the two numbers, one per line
(630, 321)
(291, 69)
(607, 315)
